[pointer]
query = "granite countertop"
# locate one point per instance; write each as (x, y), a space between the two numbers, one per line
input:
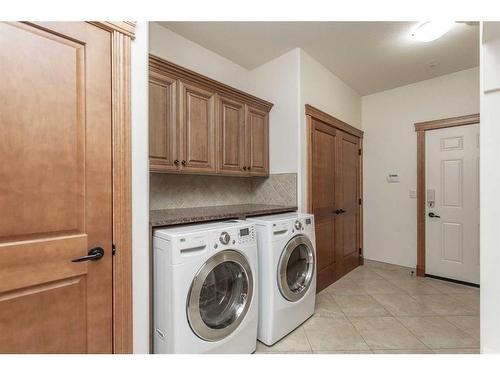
(173, 216)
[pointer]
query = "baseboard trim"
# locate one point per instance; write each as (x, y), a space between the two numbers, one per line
(452, 280)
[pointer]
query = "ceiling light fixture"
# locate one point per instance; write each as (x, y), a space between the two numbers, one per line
(431, 30)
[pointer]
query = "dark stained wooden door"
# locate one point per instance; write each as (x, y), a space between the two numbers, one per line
(347, 200)
(324, 160)
(55, 188)
(335, 194)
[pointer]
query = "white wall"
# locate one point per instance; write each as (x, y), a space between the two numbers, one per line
(490, 186)
(390, 147)
(140, 189)
(325, 91)
(278, 82)
(173, 47)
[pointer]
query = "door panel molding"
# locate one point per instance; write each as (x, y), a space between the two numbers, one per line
(421, 128)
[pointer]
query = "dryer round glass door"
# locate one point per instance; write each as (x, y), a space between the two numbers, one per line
(220, 295)
(296, 268)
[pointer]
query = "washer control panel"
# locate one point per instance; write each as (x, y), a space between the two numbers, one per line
(232, 236)
(246, 234)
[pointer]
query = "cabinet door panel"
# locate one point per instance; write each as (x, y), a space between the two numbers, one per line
(231, 124)
(257, 133)
(162, 123)
(197, 110)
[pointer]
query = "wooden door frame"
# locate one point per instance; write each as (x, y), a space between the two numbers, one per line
(421, 128)
(122, 34)
(312, 112)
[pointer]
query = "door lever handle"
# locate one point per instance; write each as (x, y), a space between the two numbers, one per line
(94, 254)
(432, 214)
(339, 211)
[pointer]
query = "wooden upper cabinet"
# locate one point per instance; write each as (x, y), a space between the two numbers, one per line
(163, 137)
(198, 125)
(257, 142)
(231, 124)
(197, 128)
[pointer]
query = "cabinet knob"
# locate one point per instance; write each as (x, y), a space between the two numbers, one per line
(183, 162)
(244, 168)
(176, 162)
(248, 168)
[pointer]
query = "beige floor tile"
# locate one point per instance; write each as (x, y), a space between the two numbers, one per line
(469, 300)
(342, 352)
(404, 351)
(282, 353)
(437, 333)
(468, 324)
(373, 264)
(345, 286)
(378, 287)
(333, 334)
(326, 306)
(451, 288)
(295, 341)
(403, 305)
(386, 333)
(414, 285)
(363, 273)
(362, 305)
(445, 304)
(456, 351)
(395, 273)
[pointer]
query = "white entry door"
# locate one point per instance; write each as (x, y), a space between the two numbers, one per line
(452, 203)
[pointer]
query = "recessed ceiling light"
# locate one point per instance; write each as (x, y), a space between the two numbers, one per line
(431, 30)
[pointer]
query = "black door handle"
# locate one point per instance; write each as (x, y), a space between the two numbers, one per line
(339, 211)
(94, 254)
(432, 214)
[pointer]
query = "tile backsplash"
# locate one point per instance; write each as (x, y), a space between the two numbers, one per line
(181, 191)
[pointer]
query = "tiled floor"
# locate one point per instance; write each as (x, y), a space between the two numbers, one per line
(381, 308)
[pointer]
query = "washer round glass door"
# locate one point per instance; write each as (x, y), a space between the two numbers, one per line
(220, 295)
(296, 268)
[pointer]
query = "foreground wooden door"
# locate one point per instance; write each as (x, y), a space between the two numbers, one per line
(55, 188)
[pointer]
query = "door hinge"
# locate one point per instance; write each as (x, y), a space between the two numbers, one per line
(359, 151)
(359, 200)
(360, 251)
(113, 249)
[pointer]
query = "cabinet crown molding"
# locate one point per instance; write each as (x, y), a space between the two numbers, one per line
(163, 66)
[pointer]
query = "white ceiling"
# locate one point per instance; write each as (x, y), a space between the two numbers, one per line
(368, 56)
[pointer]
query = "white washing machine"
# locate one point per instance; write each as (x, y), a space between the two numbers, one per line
(206, 288)
(287, 273)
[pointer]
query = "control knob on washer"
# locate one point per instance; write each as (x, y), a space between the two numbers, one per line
(224, 238)
(298, 225)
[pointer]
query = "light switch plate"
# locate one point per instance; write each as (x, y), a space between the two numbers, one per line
(413, 193)
(392, 177)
